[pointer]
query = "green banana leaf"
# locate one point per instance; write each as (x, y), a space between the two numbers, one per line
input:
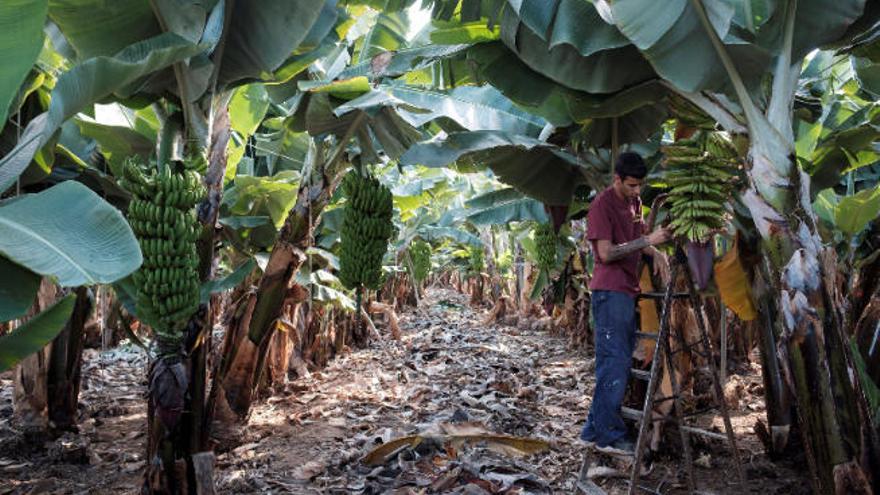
(842, 151)
(473, 108)
(18, 287)
(517, 81)
(825, 205)
(610, 66)
(70, 233)
(868, 74)
(431, 233)
(536, 168)
(245, 222)
(383, 129)
(185, 18)
(126, 292)
(570, 22)
(501, 206)
(232, 279)
(429, 180)
(493, 198)
(519, 210)
(388, 33)
(672, 38)
(639, 110)
(21, 36)
(262, 35)
(401, 61)
(97, 28)
(822, 22)
(541, 282)
(35, 333)
(258, 196)
(854, 212)
(117, 142)
(320, 286)
(247, 108)
(87, 83)
(451, 33)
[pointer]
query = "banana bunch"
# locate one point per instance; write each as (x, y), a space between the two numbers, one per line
(475, 260)
(162, 216)
(689, 114)
(420, 252)
(366, 229)
(545, 244)
(701, 178)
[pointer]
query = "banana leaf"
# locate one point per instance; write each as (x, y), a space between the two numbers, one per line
(70, 233)
(21, 36)
(34, 334)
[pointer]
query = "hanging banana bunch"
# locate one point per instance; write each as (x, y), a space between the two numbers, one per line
(476, 264)
(162, 215)
(420, 252)
(689, 114)
(545, 245)
(366, 229)
(702, 175)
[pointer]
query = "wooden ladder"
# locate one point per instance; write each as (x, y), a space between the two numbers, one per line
(662, 351)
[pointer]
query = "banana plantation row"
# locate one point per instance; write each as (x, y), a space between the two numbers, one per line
(189, 155)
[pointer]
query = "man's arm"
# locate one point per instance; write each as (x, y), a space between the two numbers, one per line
(609, 252)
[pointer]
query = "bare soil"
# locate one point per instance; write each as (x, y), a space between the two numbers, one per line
(471, 401)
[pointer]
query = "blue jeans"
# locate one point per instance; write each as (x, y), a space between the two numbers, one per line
(615, 338)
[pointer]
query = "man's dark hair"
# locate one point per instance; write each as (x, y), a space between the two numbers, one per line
(630, 164)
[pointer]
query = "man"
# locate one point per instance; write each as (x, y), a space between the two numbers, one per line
(616, 230)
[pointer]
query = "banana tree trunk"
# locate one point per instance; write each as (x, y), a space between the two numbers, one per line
(30, 394)
(815, 357)
(776, 393)
(488, 238)
(65, 364)
(196, 422)
(814, 361)
(248, 337)
(415, 284)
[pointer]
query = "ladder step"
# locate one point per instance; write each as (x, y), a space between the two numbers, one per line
(640, 374)
(662, 295)
(646, 335)
(636, 415)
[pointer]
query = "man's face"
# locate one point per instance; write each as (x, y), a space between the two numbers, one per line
(630, 187)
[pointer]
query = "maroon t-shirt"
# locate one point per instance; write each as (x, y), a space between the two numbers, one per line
(617, 220)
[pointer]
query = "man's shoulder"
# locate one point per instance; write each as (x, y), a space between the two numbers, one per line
(602, 199)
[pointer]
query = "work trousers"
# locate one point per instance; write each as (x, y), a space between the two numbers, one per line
(615, 338)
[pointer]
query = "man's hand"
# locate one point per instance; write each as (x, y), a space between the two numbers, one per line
(659, 236)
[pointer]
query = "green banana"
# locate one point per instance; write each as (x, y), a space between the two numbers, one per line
(162, 216)
(701, 174)
(366, 229)
(545, 244)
